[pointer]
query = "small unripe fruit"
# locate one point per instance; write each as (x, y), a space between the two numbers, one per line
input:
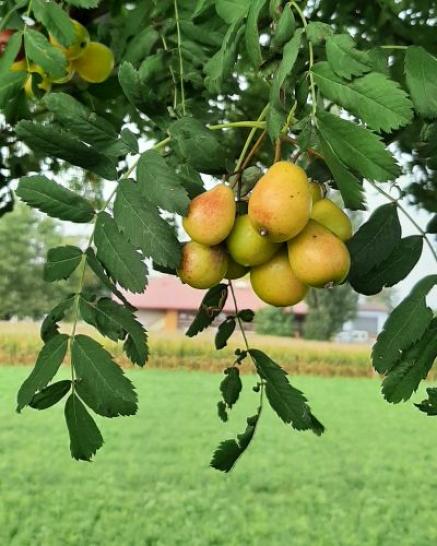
(331, 216)
(95, 64)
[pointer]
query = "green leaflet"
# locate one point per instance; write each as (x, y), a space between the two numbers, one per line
(288, 402)
(47, 196)
(117, 254)
(378, 101)
(55, 19)
(358, 148)
(345, 60)
(140, 221)
(160, 185)
(41, 52)
(405, 325)
(231, 10)
(49, 140)
(47, 364)
(403, 380)
(211, 306)
(421, 76)
(231, 386)
(101, 383)
(252, 34)
(85, 437)
(61, 262)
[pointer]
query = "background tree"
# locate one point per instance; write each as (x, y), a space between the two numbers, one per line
(274, 321)
(328, 310)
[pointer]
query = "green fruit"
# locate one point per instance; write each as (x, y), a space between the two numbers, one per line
(211, 216)
(331, 216)
(246, 246)
(280, 204)
(202, 266)
(318, 257)
(235, 270)
(275, 283)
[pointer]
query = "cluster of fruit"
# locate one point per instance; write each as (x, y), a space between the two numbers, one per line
(290, 239)
(91, 61)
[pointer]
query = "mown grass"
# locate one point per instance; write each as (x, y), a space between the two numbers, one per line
(19, 344)
(370, 481)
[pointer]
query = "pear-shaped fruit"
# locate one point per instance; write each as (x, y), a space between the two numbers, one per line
(275, 283)
(95, 64)
(202, 266)
(280, 204)
(317, 192)
(318, 257)
(81, 40)
(235, 270)
(246, 246)
(331, 216)
(211, 216)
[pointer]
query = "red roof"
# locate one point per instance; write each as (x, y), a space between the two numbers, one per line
(167, 292)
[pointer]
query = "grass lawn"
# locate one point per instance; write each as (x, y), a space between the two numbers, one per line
(371, 480)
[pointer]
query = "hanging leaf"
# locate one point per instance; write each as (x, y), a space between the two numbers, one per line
(198, 146)
(47, 196)
(55, 19)
(160, 185)
(101, 384)
(49, 326)
(61, 262)
(140, 221)
(49, 140)
(345, 60)
(47, 364)
(41, 52)
(285, 28)
(85, 437)
(421, 76)
(406, 324)
(317, 32)
(375, 240)
(231, 386)
(288, 402)
(51, 395)
(119, 257)
(252, 34)
(229, 451)
(429, 405)
(230, 10)
(404, 378)
(358, 148)
(9, 55)
(11, 83)
(211, 306)
(392, 270)
(224, 332)
(378, 101)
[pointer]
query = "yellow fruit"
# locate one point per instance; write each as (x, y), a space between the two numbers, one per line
(77, 48)
(331, 216)
(235, 271)
(246, 246)
(316, 192)
(202, 266)
(95, 64)
(44, 82)
(275, 283)
(280, 204)
(211, 216)
(318, 257)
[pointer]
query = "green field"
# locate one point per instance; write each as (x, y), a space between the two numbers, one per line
(370, 481)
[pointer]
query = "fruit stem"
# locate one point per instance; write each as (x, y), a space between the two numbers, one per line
(181, 62)
(278, 150)
(311, 62)
(173, 77)
(407, 215)
(393, 47)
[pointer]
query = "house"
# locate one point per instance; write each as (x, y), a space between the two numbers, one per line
(167, 304)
